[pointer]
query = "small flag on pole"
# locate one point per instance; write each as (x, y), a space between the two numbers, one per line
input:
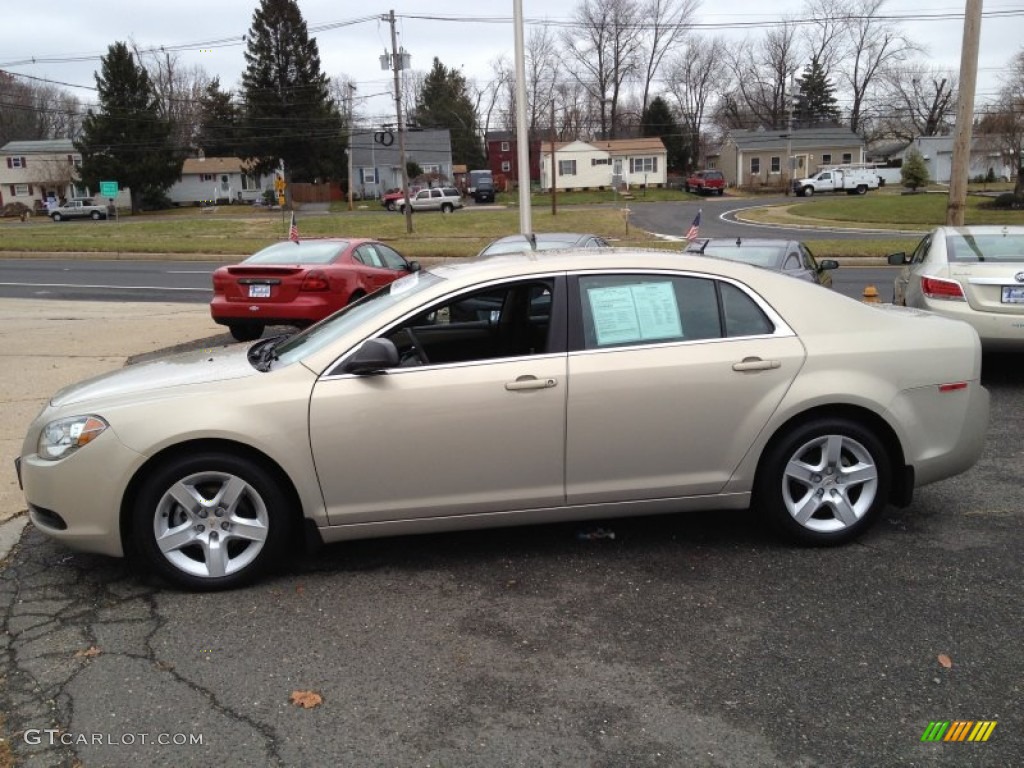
(293, 230)
(694, 230)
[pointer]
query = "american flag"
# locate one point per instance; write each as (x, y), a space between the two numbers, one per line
(694, 230)
(293, 230)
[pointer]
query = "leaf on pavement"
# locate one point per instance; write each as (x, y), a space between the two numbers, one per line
(306, 699)
(945, 661)
(88, 653)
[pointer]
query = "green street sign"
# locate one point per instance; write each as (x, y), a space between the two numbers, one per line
(108, 189)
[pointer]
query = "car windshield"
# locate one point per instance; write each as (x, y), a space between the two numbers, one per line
(995, 246)
(306, 252)
(760, 256)
(318, 336)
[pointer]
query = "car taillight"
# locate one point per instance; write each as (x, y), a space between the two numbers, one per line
(315, 281)
(935, 288)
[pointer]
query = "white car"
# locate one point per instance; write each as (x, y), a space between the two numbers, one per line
(974, 274)
(594, 383)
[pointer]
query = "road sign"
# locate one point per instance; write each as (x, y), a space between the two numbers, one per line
(279, 184)
(108, 189)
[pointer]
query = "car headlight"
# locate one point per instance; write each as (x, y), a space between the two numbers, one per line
(63, 437)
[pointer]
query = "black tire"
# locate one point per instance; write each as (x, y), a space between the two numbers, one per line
(721, 192)
(808, 192)
(447, 207)
(246, 331)
(862, 189)
(236, 527)
(96, 215)
(56, 217)
(686, 187)
(824, 482)
(356, 296)
(391, 205)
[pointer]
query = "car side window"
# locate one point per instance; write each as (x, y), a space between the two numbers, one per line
(624, 310)
(368, 255)
(510, 320)
(742, 315)
(922, 250)
(435, 193)
(392, 258)
(792, 262)
(808, 257)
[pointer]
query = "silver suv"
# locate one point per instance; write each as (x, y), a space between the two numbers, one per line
(445, 199)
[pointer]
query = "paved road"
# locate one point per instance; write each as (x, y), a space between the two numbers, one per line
(685, 640)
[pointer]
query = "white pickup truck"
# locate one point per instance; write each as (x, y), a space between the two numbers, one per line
(79, 209)
(851, 181)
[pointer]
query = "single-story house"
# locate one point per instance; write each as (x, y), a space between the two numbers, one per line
(758, 157)
(209, 180)
(602, 164)
(988, 153)
(31, 172)
(376, 164)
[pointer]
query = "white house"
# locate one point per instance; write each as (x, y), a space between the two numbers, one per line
(33, 171)
(987, 153)
(208, 180)
(602, 164)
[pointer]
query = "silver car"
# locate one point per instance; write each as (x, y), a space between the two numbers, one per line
(974, 274)
(595, 383)
(542, 241)
(789, 256)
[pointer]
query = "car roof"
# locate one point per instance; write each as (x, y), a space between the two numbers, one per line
(982, 229)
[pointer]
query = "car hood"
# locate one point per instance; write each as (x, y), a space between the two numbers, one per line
(199, 367)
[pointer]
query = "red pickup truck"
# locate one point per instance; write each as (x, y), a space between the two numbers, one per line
(705, 183)
(393, 197)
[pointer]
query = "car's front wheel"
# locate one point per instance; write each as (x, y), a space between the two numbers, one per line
(210, 521)
(391, 205)
(56, 216)
(447, 207)
(825, 481)
(246, 331)
(96, 215)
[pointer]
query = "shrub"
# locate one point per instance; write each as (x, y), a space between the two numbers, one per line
(914, 172)
(1009, 201)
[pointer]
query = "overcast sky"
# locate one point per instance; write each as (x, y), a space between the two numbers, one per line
(466, 34)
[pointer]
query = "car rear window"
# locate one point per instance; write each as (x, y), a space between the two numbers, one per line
(305, 252)
(997, 246)
(761, 257)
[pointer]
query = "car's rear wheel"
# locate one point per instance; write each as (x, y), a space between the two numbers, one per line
(862, 189)
(447, 207)
(356, 296)
(95, 215)
(391, 205)
(210, 521)
(56, 217)
(246, 331)
(824, 482)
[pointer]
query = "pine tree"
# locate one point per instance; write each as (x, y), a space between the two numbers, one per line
(444, 102)
(815, 100)
(914, 171)
(288, 111)
(658, 121)
(219, 123)
(127, 141)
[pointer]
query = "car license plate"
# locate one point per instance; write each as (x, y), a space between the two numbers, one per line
(259, 291)
(1013, 294)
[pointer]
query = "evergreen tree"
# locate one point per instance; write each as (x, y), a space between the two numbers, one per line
(914, 171)
(657, 120)
(815, 100)
(288, 112)
(127, 140)
(219, 133)
(444, 102)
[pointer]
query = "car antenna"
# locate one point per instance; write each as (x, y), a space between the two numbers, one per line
(705, 245)
(532, 237)
(739, 242)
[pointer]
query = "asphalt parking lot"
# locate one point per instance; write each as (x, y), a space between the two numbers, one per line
(684, 640)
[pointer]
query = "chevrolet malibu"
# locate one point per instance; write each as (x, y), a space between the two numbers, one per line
(605, 383)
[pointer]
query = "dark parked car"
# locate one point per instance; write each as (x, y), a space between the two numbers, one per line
(300, 283)
(789, 256)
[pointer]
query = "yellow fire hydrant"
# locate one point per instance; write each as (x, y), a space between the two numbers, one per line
(870, 295)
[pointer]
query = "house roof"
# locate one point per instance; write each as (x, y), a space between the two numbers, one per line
(499, 136)
(799, 138)
(212, 165)
(48, 146)
(614, 146)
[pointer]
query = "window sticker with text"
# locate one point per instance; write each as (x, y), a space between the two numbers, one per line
(628, 314)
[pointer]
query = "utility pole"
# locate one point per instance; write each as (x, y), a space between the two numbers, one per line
(351, 121)
(396, 66)
(961, 163)
(554, 191)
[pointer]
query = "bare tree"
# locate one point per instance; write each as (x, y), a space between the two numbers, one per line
(763, 72)
(919, 101)
(873, 45)
(665, 24)
(541, 75)
(605, 47)
(696, 75)
(494, 101)
(180, 91)
(824, 34)
(1006, 120)
(35, 111)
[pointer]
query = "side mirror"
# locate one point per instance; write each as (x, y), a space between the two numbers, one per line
(828, 264)
(414, 266)
(897, 259)
(374, 356)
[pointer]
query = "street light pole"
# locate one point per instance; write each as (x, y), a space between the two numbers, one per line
(523, 142)
(351, 110)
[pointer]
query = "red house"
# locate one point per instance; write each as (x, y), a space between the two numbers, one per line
(503, 159)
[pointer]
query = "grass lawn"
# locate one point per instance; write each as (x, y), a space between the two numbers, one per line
(900, 211)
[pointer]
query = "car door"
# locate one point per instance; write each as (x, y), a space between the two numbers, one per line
(672, 379)
(901, 285)
(377, 271)
(478, 432)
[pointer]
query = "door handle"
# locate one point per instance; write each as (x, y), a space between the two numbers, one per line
(529, 382)
(756, 364)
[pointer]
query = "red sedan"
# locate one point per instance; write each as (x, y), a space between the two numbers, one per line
(300, 283)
